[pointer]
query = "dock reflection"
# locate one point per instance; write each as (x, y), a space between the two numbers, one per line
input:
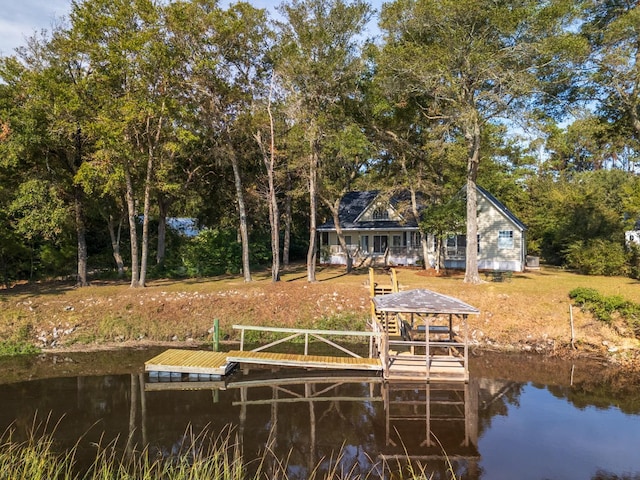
(303, 416)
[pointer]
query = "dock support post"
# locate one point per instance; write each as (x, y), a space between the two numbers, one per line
(216, 334)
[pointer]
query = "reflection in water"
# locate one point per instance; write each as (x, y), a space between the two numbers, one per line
(488, 428)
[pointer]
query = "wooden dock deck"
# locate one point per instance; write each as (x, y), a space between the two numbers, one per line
(441, 368)
(190, 361)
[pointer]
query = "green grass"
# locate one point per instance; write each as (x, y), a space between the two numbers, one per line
(205, 456)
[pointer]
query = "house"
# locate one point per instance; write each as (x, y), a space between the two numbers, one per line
(381, 230)
(632, 237)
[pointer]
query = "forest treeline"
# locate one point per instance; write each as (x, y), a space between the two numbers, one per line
(130, 112)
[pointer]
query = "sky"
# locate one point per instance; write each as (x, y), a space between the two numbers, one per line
(20, 19)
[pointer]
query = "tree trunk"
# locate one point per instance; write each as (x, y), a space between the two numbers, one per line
(242, 211)
(81, 231)
(471, 264)
(133, 232)
(269, 159)
(163, 208)
(313, 209)
(145, 221)
(416, 215)
(115, 244)
(286, 247)
(335, 210)
(81, 227)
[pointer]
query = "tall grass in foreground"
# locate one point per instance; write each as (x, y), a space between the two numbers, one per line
(202, 457)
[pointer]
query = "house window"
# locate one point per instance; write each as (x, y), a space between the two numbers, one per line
(505, 239)
(347, 239)
(364, 243)
(380, 214)
(324, 239)
(380, 243)
(415, 239)
(397, 240)
(456, 246)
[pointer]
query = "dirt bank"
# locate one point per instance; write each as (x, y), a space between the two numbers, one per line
(530, 312)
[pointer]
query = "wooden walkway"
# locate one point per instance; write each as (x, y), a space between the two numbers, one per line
(304, 361)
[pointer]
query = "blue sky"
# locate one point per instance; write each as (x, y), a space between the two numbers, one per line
(19, 19)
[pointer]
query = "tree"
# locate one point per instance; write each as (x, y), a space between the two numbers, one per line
(226, 72)
(134, 73)
(50, 109)
(349, 151)
(612, 28)
(318, 60)
(442, 220)
(472, 62)
(269, 158)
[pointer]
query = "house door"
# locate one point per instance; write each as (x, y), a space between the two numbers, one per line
(380, 243)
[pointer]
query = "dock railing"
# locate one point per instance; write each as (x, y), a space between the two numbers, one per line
(309, 334)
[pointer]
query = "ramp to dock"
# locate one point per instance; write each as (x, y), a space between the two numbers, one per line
(304, 361)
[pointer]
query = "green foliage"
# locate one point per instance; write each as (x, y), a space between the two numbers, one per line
(213, 252)
(38, 210)
(598, 257)
(207, 454)
(604, 307)
(342, 321)
(10, 348)
(19, 343)
(567, 214)
(634, 260)
(445, 218)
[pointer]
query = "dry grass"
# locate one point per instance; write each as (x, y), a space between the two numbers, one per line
(529, 312)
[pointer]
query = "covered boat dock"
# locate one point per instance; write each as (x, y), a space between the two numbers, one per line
(433, 343)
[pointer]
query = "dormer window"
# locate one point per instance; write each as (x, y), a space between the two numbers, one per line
(381, 213)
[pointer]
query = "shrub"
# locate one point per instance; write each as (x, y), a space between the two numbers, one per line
(598, 257)
(603, 307)
(212, 252)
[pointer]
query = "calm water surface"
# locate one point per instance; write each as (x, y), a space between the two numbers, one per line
(518, 418)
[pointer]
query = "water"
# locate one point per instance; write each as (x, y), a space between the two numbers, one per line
(519, 417)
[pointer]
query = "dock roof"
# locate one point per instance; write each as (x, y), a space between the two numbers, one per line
(422, 301)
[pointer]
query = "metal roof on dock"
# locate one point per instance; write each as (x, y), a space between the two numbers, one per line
(422, 301)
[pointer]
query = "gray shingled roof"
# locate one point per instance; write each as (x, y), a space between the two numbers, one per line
(353, 204)
(422, 301)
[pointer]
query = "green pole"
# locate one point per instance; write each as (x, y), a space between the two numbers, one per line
(216, 334)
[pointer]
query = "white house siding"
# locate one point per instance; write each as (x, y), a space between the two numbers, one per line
(490, 222)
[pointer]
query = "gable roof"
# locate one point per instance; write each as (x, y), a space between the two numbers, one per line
(354, 204)
(500, 206)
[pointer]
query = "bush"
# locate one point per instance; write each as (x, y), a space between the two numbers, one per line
(598, 257)
(603, 307)
(212, 252)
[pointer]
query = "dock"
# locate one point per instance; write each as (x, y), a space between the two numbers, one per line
(304, 361)
(415, 335)
(202, 362)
